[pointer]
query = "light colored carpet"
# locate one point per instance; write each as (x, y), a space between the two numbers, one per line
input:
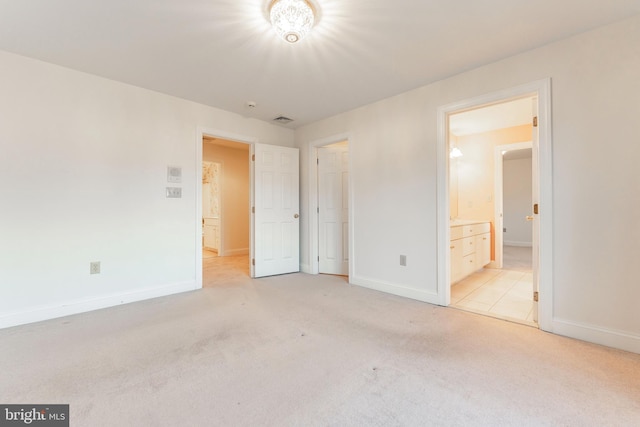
(516, 258)
(300, 350)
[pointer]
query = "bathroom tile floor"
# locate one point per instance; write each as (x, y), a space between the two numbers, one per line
(506, 294)
(208, 254)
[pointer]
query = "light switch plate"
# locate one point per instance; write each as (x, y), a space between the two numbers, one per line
(174, 192)
(174, 174)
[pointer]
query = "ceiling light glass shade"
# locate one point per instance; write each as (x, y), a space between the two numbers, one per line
(291, 19)
(455, 152)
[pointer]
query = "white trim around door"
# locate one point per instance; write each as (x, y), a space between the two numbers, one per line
(542, 90)
(313, 267)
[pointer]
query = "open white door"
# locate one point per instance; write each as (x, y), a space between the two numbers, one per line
(535, 184)
(276, 225)
(333, 212)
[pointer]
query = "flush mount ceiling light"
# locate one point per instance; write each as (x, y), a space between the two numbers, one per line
(291, 19)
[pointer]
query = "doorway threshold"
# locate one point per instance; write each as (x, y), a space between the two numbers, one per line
(499, 293)
(495, 316)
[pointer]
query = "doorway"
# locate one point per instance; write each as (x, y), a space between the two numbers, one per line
(514, 188)
(272, 212)
(491, 199)
(480, 207)
(226, 192)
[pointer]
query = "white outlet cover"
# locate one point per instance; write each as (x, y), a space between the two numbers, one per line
(94, 267)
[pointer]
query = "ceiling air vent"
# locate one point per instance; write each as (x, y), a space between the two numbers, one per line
(282, 119)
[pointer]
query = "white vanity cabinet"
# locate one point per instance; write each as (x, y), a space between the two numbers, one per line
(470, 248)
(212, 233)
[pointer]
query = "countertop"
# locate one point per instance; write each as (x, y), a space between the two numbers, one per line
(458, 222)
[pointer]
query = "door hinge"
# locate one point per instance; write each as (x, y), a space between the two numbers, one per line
(535, 296)
(535, 122)
(318, 208)
(253, 261)
(253, 209)
(253, 157)
(317, 161)
(318, 258)
(535, 209)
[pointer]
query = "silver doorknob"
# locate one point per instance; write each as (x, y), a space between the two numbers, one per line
(296, 216)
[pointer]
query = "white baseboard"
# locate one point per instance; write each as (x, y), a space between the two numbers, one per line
(395, 289)
(38, 314)
(520, 244)
(597, 335)
(232, 252)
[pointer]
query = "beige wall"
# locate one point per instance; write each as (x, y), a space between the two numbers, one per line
(475, 172)
(453, 180)
(595, 92)
(234, 196)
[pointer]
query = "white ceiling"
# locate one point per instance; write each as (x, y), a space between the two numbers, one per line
(223, 53)
(499, 116)
(525, 153)
(225, 143)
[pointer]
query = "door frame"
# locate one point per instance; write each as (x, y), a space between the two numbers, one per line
(314, 233)
(201, 132)
(542, 90)
(499, 197)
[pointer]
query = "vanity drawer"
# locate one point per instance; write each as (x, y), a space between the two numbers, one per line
(472, 230)
(468, 246)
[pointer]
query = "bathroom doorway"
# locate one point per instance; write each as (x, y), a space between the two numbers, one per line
(484, 143)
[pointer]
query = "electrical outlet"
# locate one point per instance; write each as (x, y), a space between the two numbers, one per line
(94, 267)
(403, 260)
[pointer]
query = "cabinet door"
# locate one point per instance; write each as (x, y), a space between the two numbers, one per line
(483, 249)
(468, 264)
(456, 260)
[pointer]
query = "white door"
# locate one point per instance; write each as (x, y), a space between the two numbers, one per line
(333, 213)
(276, 227)
(535, 184)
